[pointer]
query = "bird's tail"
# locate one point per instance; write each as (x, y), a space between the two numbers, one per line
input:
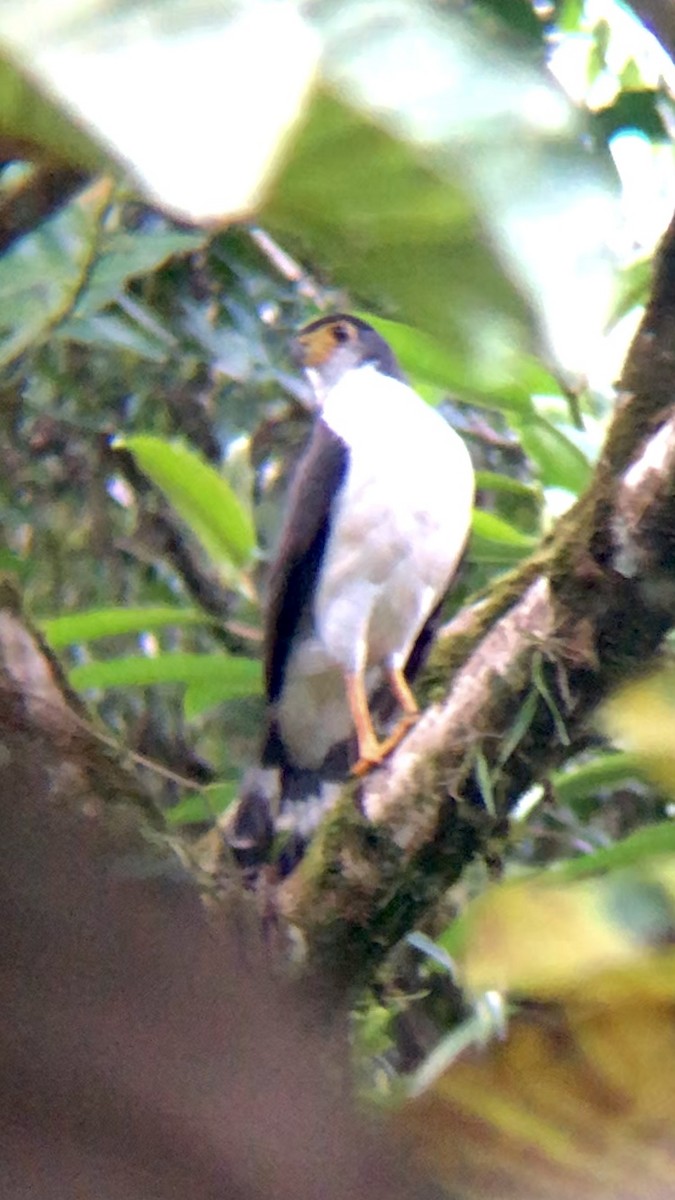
(278, 811)
(280, 805)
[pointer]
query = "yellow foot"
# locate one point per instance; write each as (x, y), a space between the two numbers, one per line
(374, 753)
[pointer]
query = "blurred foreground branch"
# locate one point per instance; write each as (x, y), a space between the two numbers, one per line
(145, 1049)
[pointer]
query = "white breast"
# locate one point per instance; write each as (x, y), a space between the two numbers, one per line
(399, 526)
(401, 520)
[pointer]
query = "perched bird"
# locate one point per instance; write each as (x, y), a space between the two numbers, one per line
(377, 519)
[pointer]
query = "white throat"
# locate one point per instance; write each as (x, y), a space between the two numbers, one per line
(318, 386)
(367, 407)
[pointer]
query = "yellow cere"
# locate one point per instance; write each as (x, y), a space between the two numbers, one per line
(319, 344)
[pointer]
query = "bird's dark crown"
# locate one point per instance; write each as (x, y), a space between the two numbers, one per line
(333, 344)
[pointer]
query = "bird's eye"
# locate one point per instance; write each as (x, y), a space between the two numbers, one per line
(340, 334)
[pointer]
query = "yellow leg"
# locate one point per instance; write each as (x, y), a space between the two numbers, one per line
(371, 750)
(401, 689)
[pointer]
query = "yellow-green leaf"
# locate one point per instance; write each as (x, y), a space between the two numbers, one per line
(200, 496)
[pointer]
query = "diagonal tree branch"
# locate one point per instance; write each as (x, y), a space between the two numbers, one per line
(527, 668)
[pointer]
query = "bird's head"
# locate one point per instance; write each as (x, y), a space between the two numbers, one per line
(333, 345)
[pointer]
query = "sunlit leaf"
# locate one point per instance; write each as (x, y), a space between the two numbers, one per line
(506, 385)
(569, 15)
(201, 497)
(595, 1052)
(88, 626)
(371, 235)
(205, 695)
(242, 674)
(36, 127)
(507, 142)
(495, 529)
(547, 937)
(227, 60)
(640, 717)
(485, 214)
(572, 1104)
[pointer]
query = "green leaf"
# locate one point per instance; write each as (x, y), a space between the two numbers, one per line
(632, 288)
(632, 110)
(483, 778)
(493, 481)
(243, 674)
(569, 16)
(428, 360)
(489, 526)
(518, 16)
(42, 274)
(200, 496)
(121, 258)
(115, 330)
(125, 256)
(91, 624)
(205, 63)
(201, 697)
(560, 462)
(476, 190)
(605, 771)
(16, 564)
(494, 540)
(518, 728)
(203, 806)
(523, 201)
(408, 238)
(541, 683)
(643, 844)
(631, 77)
(28, 117)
